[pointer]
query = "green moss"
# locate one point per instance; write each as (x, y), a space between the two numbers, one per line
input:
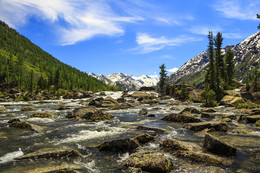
(244, 106)
(257, 123)
(2, 108)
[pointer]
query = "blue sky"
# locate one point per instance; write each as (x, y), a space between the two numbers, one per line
(129, 36)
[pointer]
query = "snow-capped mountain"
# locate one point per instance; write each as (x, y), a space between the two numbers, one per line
(246, 55)
(127, 82)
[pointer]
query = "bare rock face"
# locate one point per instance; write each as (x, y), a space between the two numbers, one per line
(90, 113)
(216, 125)
(215, 145)
(150, 162)
(118, 146)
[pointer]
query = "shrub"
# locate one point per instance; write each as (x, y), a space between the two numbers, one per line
(244, 106)
(209, 96)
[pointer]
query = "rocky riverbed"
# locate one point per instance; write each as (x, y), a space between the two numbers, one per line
(127, 132)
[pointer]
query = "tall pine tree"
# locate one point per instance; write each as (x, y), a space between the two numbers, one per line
(219, 64)
(230, 66)
(210, 76)
(163, 77)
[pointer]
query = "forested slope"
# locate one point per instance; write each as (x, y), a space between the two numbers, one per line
(26, 66)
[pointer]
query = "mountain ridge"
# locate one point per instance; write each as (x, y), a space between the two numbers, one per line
(246, 54)
(127, 82)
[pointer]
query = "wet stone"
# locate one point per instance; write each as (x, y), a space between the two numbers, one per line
(121, 145)
(153, 162)
(215, 145)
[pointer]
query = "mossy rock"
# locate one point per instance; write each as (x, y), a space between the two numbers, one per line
(28, 109)
(193, 152)
(143, 111)
(61, 107)
(226, 120)
(150, 161)
(50, 153)
(66, 170)
(184, 117)
(216, 125)
(2, 108)
(43, 115)
(90, 113)
(144, 138)
(209, 110)
(14, 120)
(215, 145)
(26, 126)
(121, 145)
(257, 124)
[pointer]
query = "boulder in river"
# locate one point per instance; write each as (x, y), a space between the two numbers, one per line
(231, 100)
(118, 146)
(252, 118)
(50, 153)
(150, 162)
(109, 102)
(185, 117)
(191, 110)
(43, 115)
(143, 111)
(28, 109)
(144, 138)
(215, 145)
(150, 129)
(27, 126)
(122, 106)
(2, 108)
(140, 94)
(14, 120)
(216, 125)
(193, 152)
(90, 113)
(209, 110)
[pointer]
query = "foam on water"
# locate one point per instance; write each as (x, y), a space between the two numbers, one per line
(92, 134)
(41, 120)
(91, 166)
(123, 157)
(10, 156)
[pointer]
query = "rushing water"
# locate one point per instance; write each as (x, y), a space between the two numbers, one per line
(85, 136)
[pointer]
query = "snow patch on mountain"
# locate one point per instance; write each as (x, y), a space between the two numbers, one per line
(249, 47)
(127, 82)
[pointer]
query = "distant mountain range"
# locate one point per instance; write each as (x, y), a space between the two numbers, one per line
(127, 82)
(247, 55)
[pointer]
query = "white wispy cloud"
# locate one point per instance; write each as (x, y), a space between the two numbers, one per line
(238, 9)
(147, 43)
(204, 30)
(173, 70)
(84, 19)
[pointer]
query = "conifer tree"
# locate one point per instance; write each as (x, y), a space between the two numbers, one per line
(219, 64)
(163, 77)
(230, 66)
(210, 76)
(31, 81)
